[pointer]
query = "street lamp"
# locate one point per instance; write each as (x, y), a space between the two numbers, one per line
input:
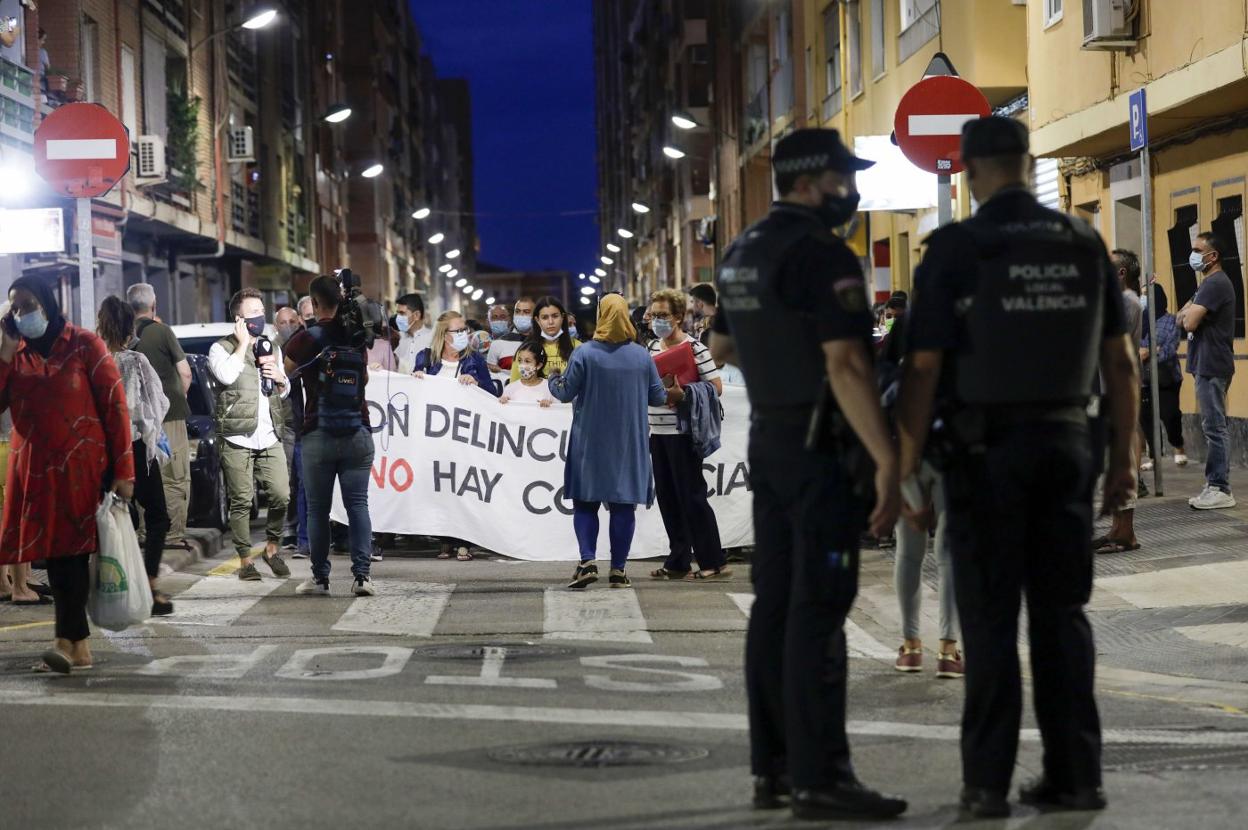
(599, 272)
(373, 170)
(461, 282)
(625, 233)
(613, 248)
(589, 291)
(683, 121)
(436, 238)
(468, 289)
(476, 295)
(584, 300)
(259, 18)
(444, 267)
(452, 254)
(454, 272)
(337, 114)
(422, 213)
(606, 260)
(489, 301)
(594, 279)
(640, 207)
(581, 276)
(673, 152)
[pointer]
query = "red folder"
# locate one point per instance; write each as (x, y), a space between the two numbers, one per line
(678, 361)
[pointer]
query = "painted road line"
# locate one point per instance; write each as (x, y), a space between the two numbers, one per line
(218, 600)
(661, 719)
(1219, 634)
(404, 608)
(857, 640)
(21, 626)
(605, 616)
(227, 568)
(1221, 583)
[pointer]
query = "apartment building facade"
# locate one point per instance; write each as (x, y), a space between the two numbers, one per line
(260, 184)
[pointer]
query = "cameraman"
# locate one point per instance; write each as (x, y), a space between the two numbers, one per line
(337, 443)
(251, 427)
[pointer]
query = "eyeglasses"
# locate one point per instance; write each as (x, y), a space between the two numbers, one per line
(662, 315)
(456, 331)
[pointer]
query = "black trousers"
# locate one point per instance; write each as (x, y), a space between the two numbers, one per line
(692, 530)
(1020, 517)
(805, 575)
(69, 577)
(149, 493)
(1171, 416)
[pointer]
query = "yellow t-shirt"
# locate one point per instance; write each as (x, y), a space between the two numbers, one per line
(554, 360)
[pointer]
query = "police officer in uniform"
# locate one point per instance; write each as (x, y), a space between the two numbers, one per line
(1013, 311)
(794, 317)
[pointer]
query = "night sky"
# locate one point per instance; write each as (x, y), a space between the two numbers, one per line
(529, 65)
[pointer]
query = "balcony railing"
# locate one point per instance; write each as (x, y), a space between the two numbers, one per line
(756, 123)
(922, 29)
(831, 105)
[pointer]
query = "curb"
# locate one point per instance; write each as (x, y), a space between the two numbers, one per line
(205, 544)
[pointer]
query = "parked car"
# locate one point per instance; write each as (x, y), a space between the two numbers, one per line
(208, 505)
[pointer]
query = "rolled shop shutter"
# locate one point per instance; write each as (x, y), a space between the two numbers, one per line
(1044, 178)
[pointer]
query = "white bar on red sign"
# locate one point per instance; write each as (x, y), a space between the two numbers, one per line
(81, 148)
(939, 124)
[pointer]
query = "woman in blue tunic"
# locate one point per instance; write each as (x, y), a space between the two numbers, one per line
(609, 381)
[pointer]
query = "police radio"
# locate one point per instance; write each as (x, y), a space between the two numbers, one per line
(264, 348)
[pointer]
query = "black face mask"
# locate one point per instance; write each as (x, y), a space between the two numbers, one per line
(255, 325)
(837, 210)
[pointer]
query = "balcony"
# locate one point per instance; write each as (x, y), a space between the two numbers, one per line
(831, 105)
(922, 29)
(782, 91)
(756, 122)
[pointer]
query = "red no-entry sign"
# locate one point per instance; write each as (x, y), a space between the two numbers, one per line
(929, 120)
(82, 150)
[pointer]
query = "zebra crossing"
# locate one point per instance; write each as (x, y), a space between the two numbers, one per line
(424, 609)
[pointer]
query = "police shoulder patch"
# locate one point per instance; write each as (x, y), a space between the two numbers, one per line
(851, 293)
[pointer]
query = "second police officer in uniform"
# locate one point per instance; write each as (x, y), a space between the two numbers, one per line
(1014, 309)
(794, 316)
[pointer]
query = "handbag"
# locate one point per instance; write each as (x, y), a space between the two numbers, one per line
(120, 594)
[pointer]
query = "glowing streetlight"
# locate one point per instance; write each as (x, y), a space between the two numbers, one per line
(260, 18)
(454, 272)
(640, 207)
(489, 301)
(589, 291)
(673, 152)
(452, 254)
(594, 279)
(581, 276)
(625, 233)
(613, 248)
(436, 238)
(683, 121)
(461, 282)
(337, 114)
(584, 300)
(600, 272)
(444, 267)
(422, 213)
(476, 295)
(373, 170)
(606, 260)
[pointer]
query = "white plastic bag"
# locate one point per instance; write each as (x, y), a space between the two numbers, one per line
(120, 594)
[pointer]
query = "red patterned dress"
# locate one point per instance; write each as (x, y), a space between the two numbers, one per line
(70, 427)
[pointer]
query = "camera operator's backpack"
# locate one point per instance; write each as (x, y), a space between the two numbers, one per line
(342, 374)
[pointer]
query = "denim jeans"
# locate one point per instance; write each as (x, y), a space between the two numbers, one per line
(348, 460)
(1211, 397)
(300, 499)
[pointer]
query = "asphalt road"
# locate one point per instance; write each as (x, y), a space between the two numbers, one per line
(427, 706)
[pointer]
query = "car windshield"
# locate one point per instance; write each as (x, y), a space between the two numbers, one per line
(197, 345)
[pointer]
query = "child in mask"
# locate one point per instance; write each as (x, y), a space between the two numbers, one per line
(532, 386)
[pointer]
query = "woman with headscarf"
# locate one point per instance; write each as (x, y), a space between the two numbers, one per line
(71, 443)
(609, 381)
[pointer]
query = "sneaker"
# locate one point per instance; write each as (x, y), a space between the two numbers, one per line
(302, 553)
(1147, 466)
(1212, 499)
(1180, 460)
(248, 573)
(909, 660)
(619, 579)
(276, 565)
(290, 545)
(310, 587)
(949, 666)
(1192, 501)
(586, 574)
(363, 587)
(376, 554)
(1141, 487)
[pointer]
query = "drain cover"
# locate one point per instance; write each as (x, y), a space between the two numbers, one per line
(514, 651)
(593, 754)
(1173, 758)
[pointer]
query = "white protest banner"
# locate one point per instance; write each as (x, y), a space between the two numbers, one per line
(453, 461)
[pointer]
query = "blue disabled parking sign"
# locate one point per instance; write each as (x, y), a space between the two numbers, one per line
(1139, 120)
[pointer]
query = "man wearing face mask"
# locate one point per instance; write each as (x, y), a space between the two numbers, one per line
(1209, 320)
(1013, 310)
(503, 349)
(295, 534)
(250, 418)
(414, 336)
(789, 284)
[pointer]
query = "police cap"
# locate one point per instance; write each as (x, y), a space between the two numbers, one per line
(994, 135)
(814, 150)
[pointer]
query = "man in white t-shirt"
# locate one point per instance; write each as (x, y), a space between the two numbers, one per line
(692, 530)
(503, 349)
(414, 337)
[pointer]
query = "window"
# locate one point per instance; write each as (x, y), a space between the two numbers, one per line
(853, 20)
(920, 23)
(89, 36)
(1052, 12)
(154, 108)
(912, 10)
(832, 49)
(877, 38)
(129, 109)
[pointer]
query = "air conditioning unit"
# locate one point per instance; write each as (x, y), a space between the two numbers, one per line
(242, 145)
(150, 150)
(1109, 24)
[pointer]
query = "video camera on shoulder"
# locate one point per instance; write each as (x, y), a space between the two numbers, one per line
(360, 318)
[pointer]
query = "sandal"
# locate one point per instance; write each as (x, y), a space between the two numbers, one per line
(722, 572)
(1111, 546)
(56, 661)
(666, 573)
(38, 600)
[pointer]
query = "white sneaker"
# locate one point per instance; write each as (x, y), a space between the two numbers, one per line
(1147, 466)
(1180, 460)
(1192, 501)
(1212, 499)
(311, 587)
(363, 587)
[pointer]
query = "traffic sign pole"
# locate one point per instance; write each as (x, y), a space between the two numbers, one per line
(1137, 121)
(86, 266)
(944, 198)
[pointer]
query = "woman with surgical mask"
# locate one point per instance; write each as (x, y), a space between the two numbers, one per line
(550, 330)
(70, 444)
(456, 358)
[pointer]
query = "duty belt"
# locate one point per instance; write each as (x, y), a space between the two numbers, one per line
(1065, 412)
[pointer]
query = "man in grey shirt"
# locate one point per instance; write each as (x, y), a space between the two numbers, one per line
(1209, 320)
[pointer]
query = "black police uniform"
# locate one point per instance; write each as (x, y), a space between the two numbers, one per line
(1019, 298)
(787, 286)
